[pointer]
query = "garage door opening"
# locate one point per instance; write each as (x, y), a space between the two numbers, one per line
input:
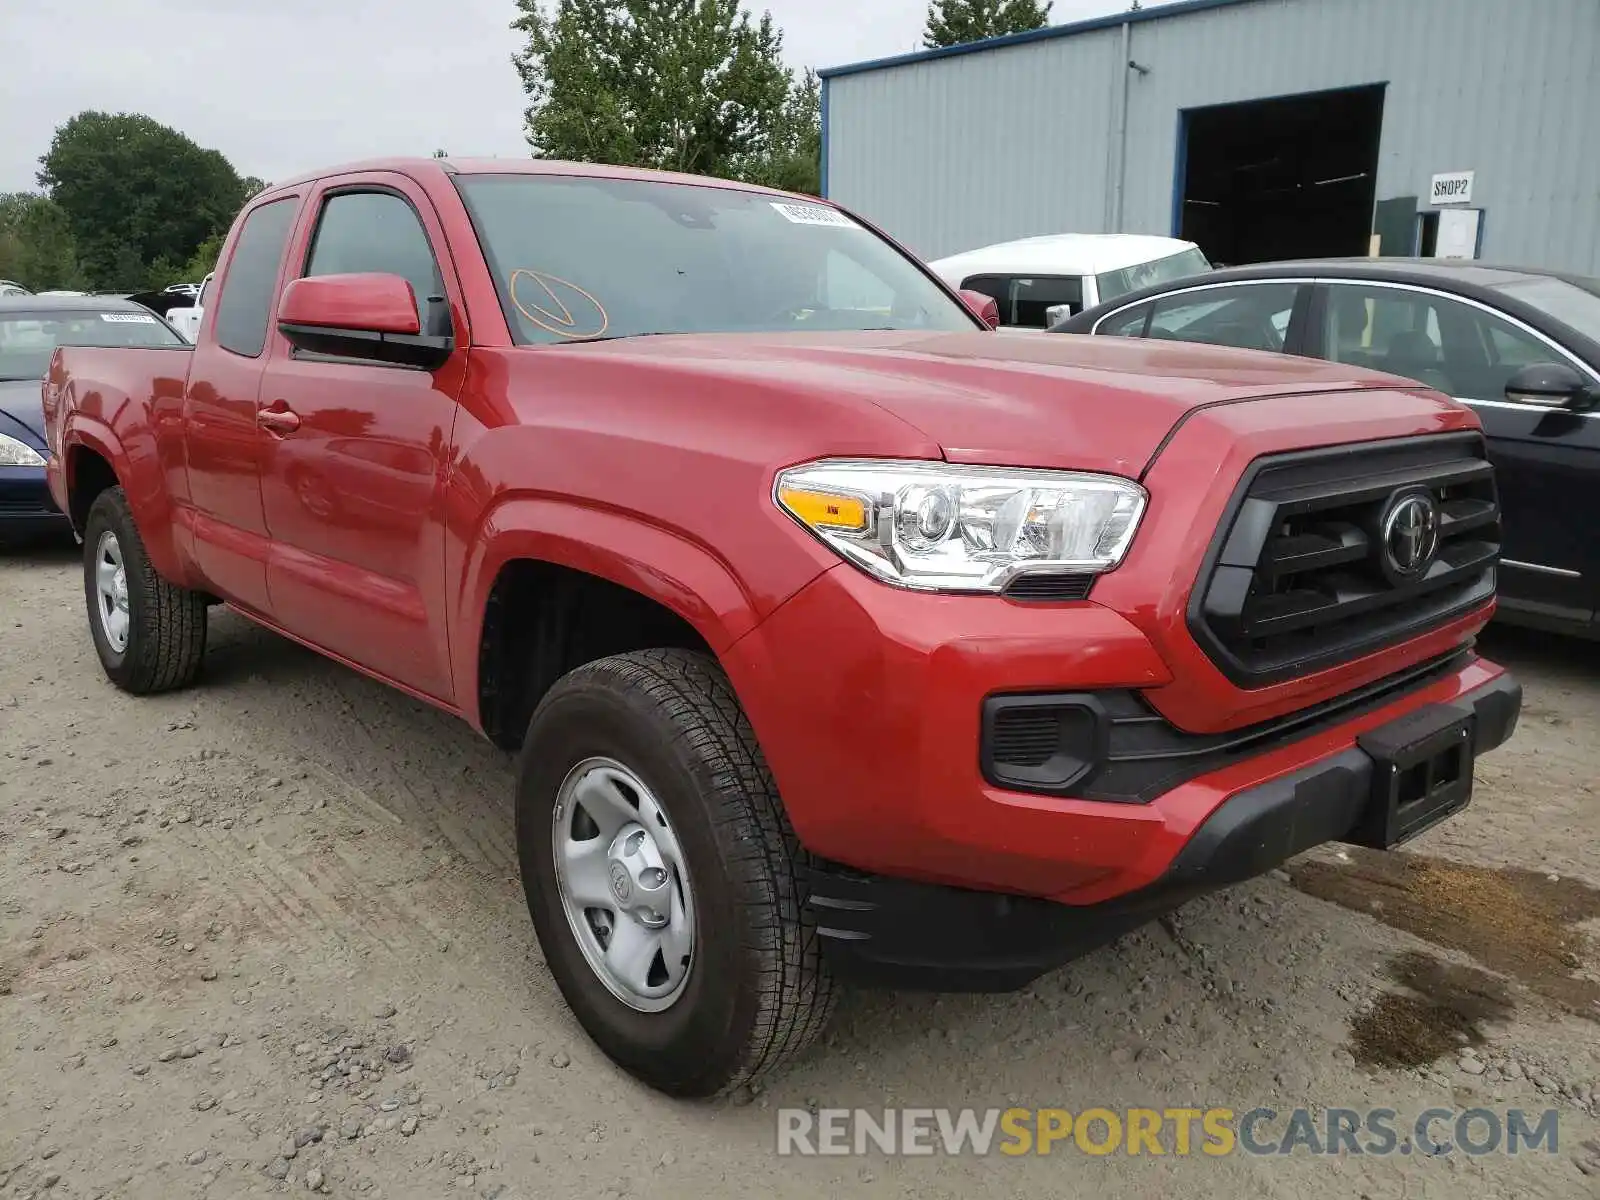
(1291, 177)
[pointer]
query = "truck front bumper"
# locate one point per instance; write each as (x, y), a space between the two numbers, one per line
(868, 702)
(878, 929)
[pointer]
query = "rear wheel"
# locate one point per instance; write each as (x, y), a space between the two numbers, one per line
(663, 877)
(150, 634)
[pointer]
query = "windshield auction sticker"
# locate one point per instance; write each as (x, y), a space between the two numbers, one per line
(127, 318)
(813, 214)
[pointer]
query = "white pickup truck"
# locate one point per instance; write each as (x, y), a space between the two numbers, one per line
(187, 320)
(1038, 281)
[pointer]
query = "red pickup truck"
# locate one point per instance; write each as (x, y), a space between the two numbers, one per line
(840, 636)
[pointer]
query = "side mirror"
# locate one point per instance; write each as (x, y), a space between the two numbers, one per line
(370, 316)
(1550, 385)
(985, 307)
(1056, 313)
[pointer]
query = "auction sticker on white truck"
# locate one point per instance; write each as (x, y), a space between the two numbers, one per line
(813, 214)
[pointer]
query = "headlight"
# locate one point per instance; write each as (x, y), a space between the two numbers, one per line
(947, 528)
(18, 454)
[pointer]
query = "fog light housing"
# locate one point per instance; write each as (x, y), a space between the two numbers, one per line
(1042, 743)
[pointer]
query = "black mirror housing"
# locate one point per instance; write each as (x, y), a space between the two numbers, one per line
(1550, 385)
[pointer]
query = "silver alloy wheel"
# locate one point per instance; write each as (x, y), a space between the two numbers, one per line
(624, 884)
(111, 591)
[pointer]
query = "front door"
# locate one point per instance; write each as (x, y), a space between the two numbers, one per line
(1545, 461)
(354, 490)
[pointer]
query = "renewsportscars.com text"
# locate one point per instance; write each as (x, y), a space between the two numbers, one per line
(1215, 1132)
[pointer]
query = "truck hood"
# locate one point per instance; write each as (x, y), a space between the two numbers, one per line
(1056, 400)
(20, 399)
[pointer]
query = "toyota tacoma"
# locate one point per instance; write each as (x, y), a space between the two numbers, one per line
(840, 637)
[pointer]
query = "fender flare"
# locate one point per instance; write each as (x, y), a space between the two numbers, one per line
(620, 547)
(145, 489)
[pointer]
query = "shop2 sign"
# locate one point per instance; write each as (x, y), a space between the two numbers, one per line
(1452, 187)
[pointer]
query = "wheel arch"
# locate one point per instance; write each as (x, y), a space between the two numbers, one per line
(94, 460)
(550, 585)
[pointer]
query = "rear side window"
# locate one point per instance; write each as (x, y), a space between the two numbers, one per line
(362, 232)
(1251, 316)
(1127, 323)
(244, 306)
(1025, 301)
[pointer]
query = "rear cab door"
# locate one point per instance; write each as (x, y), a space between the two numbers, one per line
(1546, 461)
(222, 444)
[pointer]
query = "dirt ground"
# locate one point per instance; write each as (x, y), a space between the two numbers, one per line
(266, 935)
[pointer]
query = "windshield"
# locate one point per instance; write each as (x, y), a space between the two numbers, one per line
(576, 259)
(1575, 303)
(27, 338)
(1163, 270)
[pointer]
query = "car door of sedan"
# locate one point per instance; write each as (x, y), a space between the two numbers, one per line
(1546, 461)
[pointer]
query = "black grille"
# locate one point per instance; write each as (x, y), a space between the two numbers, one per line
(1026, 737)
(1299, 578)
(1050, 587)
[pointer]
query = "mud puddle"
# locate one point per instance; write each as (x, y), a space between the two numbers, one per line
(1442, 1009)
(1513, 922)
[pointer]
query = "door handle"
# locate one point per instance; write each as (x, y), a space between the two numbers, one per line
(277, 420)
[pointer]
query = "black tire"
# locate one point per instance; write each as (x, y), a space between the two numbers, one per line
(758, 991)
(166, 623)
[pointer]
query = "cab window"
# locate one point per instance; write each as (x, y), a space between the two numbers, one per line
(1025, 300)
(244, 307)
(378, 232)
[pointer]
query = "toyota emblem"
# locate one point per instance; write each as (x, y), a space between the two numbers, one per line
(621, 885)
(1410, 533)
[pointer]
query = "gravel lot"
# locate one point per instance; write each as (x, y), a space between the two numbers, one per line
(266, 936)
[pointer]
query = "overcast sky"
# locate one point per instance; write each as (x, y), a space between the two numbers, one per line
(283, 86)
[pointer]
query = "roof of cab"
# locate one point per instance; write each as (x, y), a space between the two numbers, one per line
(416, 167)
(1063, 254)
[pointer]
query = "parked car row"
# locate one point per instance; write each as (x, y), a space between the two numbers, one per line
(31, 327)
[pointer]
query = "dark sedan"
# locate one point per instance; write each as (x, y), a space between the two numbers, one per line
(31, 327)
(1521, 347)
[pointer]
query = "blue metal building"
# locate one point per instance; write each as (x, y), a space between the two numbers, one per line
(1260, 128)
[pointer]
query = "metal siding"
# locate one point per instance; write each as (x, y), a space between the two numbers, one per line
(958, 152)
(946, 154)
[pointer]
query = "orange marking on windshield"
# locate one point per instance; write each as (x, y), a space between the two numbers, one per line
(559, 318)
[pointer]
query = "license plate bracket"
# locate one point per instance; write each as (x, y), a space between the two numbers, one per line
(1422, 767)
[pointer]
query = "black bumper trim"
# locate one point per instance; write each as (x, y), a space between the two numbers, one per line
(894, 932)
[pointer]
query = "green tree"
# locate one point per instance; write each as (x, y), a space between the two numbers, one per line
(793, 160)
(36, 246)
(136, 194)
(204, 260)
(952, 22)
(683, 85)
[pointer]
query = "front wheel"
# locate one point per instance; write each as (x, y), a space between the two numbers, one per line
(150, 634)
(663, 877)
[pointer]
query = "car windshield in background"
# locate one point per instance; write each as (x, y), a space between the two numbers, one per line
(28, 337)
(1163, 270)
(579, 259)
(1575, 303)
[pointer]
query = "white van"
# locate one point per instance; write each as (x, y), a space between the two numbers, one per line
(1039, 281)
